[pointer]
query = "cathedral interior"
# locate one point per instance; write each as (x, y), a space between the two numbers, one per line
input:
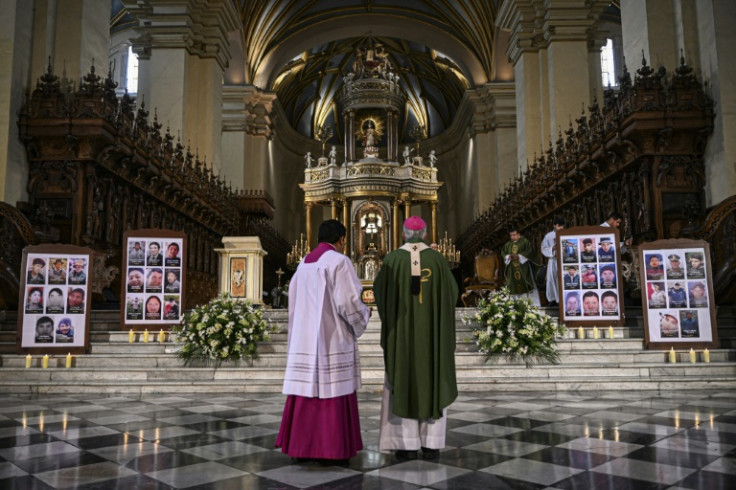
(227, 118)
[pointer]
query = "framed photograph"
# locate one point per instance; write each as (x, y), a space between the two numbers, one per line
(153, 281)
(54, 299)
(589, 276)
(237, 276)
(677, 294)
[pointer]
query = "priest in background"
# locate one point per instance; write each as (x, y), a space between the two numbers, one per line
(415, 294)
(549, 250)
(326, 317)
(517, 255)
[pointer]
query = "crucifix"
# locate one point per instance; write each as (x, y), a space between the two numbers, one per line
(279, 273)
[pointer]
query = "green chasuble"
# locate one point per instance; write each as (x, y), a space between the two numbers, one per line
(418, 333)
(519, 277)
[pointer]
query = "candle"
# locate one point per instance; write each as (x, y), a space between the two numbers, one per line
(161, 336)
(581, 333)
(45, 362)
(673, 356)
(145, 335)
(706, 355)
(595, 332)
(610, 332)
(29, 359)
(692, 355)
(68, 360)
(131, 336)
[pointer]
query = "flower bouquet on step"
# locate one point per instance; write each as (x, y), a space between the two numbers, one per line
(512, 327)
(225, 329)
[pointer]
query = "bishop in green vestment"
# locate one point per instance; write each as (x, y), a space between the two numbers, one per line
(416, 293)
(517, 254)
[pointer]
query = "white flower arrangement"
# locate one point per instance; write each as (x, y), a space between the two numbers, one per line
(514, 328)
(224, 329)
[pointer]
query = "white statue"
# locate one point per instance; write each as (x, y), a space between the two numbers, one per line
(308, 159)
(333, 156)
(407, 155)
(432, 158)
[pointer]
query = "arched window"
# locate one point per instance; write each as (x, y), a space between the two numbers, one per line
(608, 70)
(131, 73)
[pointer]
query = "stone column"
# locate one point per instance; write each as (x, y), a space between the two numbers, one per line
(184, 49)
(433, 213)
(308, 213)
(333, 208)
(346, 223)
(549, 44)
(396, 219)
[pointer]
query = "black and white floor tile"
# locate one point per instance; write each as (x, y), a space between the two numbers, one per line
(618, 440)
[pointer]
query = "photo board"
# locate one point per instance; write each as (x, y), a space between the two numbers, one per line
(677, 294)
(152, 292)
(55, 299)
(589, 276)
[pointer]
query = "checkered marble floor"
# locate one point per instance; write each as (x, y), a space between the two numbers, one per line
(618, 440)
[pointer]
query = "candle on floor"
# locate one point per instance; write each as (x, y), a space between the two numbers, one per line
(145, 335)
(610, 332)
(581, 333)
(68, 360)
(595, 332)
(28, 361)
(45, 362)
(161, 336)
(673, 356)
(131, 336)
(692, 355)
(706, 355)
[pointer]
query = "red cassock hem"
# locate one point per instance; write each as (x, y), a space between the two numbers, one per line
(320, 428)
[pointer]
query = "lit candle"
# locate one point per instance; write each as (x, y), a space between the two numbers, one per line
(68, 360)
(161, 336)
(29, 359)
(581, 333)
(131, 336)
(706, 355)
(610, 332)
(595, 332)
(45, 362)
(145, 335)
(692, 355)
(673, 356)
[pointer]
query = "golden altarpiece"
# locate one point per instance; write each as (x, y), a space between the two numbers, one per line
(372, 191)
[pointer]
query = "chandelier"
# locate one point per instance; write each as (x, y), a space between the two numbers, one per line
(447, 248)
(298, 251)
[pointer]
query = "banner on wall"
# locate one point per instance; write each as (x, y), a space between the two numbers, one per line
(153, 285)
(677, 294)
(54, 303)
(589, 276)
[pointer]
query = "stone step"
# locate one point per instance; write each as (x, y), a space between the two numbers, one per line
(147, 356)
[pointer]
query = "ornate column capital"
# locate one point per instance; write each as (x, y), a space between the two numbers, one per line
(199, 27)
(248, 108)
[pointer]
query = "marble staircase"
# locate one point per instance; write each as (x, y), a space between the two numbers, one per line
(114, 365)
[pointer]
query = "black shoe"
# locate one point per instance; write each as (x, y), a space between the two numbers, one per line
(553, 303)
(403, 455)
(428, 453)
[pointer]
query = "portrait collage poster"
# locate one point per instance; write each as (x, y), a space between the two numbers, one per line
(589, 276)
(154, 278)
(677, 293)
(54, 302)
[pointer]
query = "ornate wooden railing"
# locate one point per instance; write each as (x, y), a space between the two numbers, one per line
(719, 229)
(100, 168)
(641, 154)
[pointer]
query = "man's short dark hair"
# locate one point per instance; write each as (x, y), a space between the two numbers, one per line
(589, 294)
(174, 244)
(614, 215)
(45, 319)
(513, 229)
(607, 294)
(558, 221)
(330, 231)
(77, 290)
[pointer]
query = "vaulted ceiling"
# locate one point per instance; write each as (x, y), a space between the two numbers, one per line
(301, 49)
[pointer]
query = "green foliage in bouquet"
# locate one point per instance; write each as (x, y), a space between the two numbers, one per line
(225, 329)
(512, 327)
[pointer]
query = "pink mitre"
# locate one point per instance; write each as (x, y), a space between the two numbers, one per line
(415, 223)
